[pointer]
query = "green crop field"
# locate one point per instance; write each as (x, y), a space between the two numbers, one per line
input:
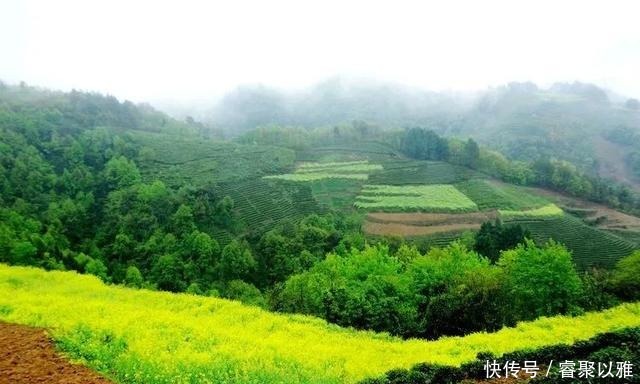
(336, 194)
(364, 150)
(341, 169)
(549, 210)
(488, 195)
(139, 336)
(351, 170)
(303, 177)
(428, 198)
(401, 172)
(589, 246)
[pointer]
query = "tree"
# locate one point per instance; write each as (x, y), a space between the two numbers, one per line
(236, 262)
(539, 281)
(491, 239)
(422, 144)
(245, 292)
(121, 172)
(133, 277)
(471, 154)
(167, 272)
(626, 277)
(97, 268)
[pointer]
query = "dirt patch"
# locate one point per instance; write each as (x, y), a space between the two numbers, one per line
(397, 229)
(28, 356)
(421, 224)
(431, 218)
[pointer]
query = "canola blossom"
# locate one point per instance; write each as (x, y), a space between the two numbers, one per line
(140, 336)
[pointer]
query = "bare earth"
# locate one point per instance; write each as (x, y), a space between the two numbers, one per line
(420, 224)
(28, 356)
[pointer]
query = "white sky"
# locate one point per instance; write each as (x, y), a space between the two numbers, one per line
(150, 50)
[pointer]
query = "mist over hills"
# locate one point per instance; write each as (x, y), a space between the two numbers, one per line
(570, 121)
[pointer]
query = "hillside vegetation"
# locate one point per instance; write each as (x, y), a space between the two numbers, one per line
(138, 336)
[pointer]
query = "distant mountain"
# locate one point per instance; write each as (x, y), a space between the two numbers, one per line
(566, 121)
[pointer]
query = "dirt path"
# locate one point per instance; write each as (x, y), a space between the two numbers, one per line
(28, 356)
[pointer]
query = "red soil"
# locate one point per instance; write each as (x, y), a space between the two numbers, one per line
(28, 356)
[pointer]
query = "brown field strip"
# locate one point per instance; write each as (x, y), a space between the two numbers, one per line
(28, 356)
(397, 229)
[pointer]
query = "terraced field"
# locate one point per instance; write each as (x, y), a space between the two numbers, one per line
(549, 210)
(403, 172)
(351, 170)
(260, 204)
(365, 150)
(338, 194)
(178, 160)
(426, 198)
(490, 195)
(589, 246)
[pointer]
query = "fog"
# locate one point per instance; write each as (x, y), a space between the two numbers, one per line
(195, 51)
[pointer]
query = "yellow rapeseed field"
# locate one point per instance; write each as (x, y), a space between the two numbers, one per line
(139, 336)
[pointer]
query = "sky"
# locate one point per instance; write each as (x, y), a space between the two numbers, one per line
(187, 50)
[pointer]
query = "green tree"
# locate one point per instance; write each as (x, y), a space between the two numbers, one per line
(167, 272)
(121, 172)
(236, 262)
(491, 239)
(626, 277)
(133, 277)
(471, 154)
(97, 268)
(539, 281)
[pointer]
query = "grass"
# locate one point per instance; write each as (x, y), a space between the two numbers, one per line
(428, 198)
(138, 336)
(488, 195)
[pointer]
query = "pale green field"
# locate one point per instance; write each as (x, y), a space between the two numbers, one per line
(351, 170)
(550, 210)
(429, 198)
(139, 336)
(317, 176)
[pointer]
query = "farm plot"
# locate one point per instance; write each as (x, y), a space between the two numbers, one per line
(490, 195)
(426, 198)
(423, 224)
(402, 172)
(352, 170)
(549, 210)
